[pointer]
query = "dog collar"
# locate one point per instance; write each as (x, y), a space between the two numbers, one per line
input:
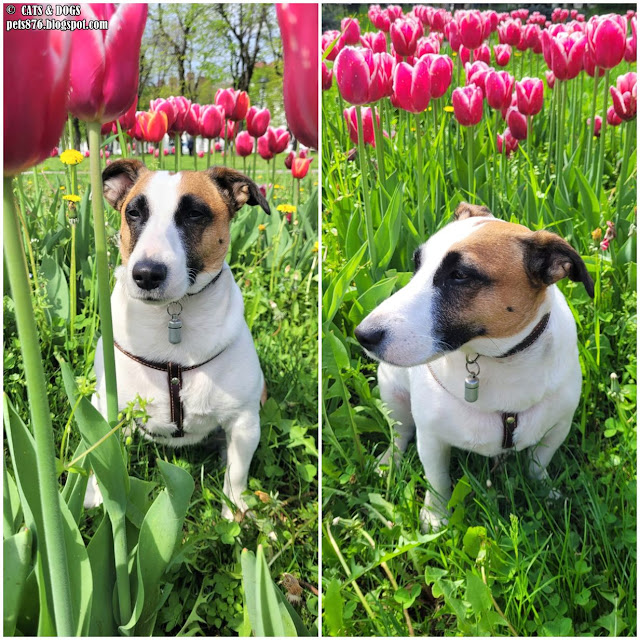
(174, 379)
(538, 330)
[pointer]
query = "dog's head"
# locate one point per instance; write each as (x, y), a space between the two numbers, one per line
(174, 232)
(477, 281)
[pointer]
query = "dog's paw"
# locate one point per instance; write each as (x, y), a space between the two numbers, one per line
(432, 520)
(242, 511)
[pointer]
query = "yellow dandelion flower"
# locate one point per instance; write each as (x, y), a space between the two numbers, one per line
(315, 247)
(262, 227)
(63, 188)
(449, 109)
(277, 186)
(596, 234)
(286, 208)
(72, 198)
(71, 156)
(454, 54)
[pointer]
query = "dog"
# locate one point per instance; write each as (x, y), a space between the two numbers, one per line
(178, 315)
(479, 350)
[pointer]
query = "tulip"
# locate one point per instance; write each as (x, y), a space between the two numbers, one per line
(394, 12)
(506, 143)
(299, 33)
(427, 45)
(440, 71)
(156, 153)
(551, 79)
(229, 130)
(374, 40)
(211, 121)
(244, 144)
(607, 39)
(482, 54)
(168, 107)
(529, 92)
(380, 20)
(263, 148)
(476, 74)
(625, 96)
(241, 106)
(181, 108)
(200, 154)
(87, 153)
(105, 64)
(136, 131)
(404, 36)
(217, 147)
(258, 121)
(465, 55)
(510, 32)
(467, 104)
(153, 125)
(589, 63)
(612, 117)
(439, 19)
(531, 39)
(411, 86)
(631, 50)
(598, 126)
(165, 152)
(192, 120)
(350, 28)
(108, 128)
(502, 54)
(517, 123)
(368, 133)
(128, 119)
(328, 38)
(498, 89)
(471, 27)
(564, 54)
(278, 139)
(363, 76)
(288, 161)
(300, 167)
(327, 77)
(452, 33)
(225, 98)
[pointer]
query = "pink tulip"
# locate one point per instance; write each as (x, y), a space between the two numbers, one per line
(300, 167)
(105, 63)
(167, 106)
(452, 33)
(217, 147)
(165, 152)
(411, 86)
(278, 139)
(598, 126)
(329, 37)
(510, 32)
(498, 89)
(612, 117)
(564, 53)
(631, 50)
(374, 40)
(54, 152)
(529, 92)
(427, 45)
(192, 120)
(476, 74)
(531, 39)
(327, 77)
(244, 144)
(181, 107)
(589, 63)
(363, 76)
(108, 128)
(467, 105)
(225, 98)
(439, 19)
(404, 36)
(502, 54)
(520, 14)
(440, 71)
(367, 124)
(394, 12)
(263, 148)
(471, 27)
(86, 153)
(625, 96)
(607, 39)
(136, 131)
(465, 55)
(299, 33)
(506, 143)
(156, 153)
(241, 106)
(288, 161)
(211, 121)
(350, 28)
(379, 19)
(482, 54)
(551, 79)
(258, 121)
(517, 123)
(228, 130)
(559, 15)
(153, 125)
(128, 119)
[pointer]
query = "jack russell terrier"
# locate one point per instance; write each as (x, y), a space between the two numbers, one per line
(479, 351)
(178, 316)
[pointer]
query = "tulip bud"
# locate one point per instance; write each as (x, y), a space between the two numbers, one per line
(471, 28)
(288, 161)
(153, 125)
(517, 123)
(331, 38)
(350, 28)
(440, 71)
(368, 134)
(506, 143)
(607, 39)
(244, 144)
(625, 96)
(510, 32)
(598, 126)
(327, 77)
(278, 139)
(498, 89)
(482, 54)
(502, 54)
(529, 92)
(404, 36)
(612, 117)
(258, 121)
(467, 105)
(551, 79)
(263, 148)
(412, 86)
(211, 121)
(300, 167)
(374, 40)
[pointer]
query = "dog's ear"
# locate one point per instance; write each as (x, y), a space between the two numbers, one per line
(548, 258)
(465, 210)
(237, 189)
(118, 178)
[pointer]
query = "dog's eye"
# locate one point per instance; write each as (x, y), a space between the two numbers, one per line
(458, 276)
(193, 215)
(133, 214)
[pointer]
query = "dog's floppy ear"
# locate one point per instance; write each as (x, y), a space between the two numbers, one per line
(118, 178)
(465, 210)
(238, 189)
(548, 258)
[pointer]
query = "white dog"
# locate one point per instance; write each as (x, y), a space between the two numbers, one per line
(179, 328)
(479, 350)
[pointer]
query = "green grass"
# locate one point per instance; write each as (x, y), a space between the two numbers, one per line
(275, 263)
(510, 562)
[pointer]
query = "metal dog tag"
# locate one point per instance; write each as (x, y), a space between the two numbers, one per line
(471, 387)
(175, 330)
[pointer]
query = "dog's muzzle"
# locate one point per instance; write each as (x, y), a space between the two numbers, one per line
(148, 274)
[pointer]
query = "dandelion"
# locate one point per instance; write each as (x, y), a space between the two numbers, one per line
(448, 109)
(262, 227)
(315, 247)
(596, 234)
(72, 198)
(71, 157)
(63, 188)
(286, 208)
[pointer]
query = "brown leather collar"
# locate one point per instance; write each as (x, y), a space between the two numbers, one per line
(530, 339)
(174, 380)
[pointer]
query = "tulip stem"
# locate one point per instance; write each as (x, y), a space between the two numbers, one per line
(603, 132)
(589, 158)
(178, 144)
(562, 88)
(52, 537)
(362, 158)
(419, 173)
(27, 237)
(470, 173)
(102, 268)
(255, 159)
(210, 148)
(121, 141)
(379, 138)
(629, 134)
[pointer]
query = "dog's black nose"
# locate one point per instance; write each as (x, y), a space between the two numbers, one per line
(149, 274)
(369, 339)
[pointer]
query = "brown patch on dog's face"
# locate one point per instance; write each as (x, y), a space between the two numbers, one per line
(133, 205)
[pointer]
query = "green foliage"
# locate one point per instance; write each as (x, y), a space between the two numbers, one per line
(510, 561)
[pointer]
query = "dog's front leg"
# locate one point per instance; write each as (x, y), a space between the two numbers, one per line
(540, 454)
(435, 456)
(243, 436)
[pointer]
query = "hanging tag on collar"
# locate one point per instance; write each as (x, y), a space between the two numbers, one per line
(175, 324)
(471, 383)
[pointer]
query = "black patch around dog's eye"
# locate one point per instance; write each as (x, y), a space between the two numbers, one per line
(192, 209)
(136, 215)
(192, 217)
(417, 260)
